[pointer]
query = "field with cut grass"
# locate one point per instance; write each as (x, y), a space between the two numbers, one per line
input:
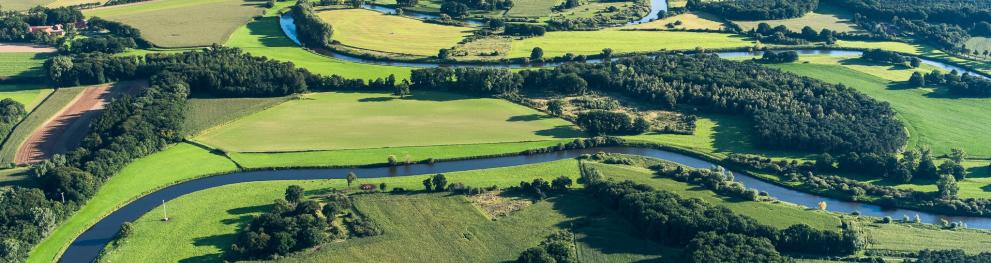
(264, 37)
(976, 185)
(28, 94)
(689, 21)
(980, 44)
(41, 113)
(183, 23)
(22, 64)
(23, 4)
(827, 16)
(390, 33)
(205, 113)
(177, 163)
(329, 121)
(59, 3)
(532, 8)
(932, 117)
(592, 42)
(717, 136)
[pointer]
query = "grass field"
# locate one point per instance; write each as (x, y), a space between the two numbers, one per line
(976, 185)
(932, 118)
(532, 8)
(28, 94)
(47, 109)
(59, 3)
(18, 176)
(978, 43)
(327, 121)
(183, 23)
(592, 42)
(264, 37)
(23, 4)
(22, 64)
(827, 16)
(690, 21)
(204, 113)
(390, 33)
(717, 136)
(177, 163)
(380, 155)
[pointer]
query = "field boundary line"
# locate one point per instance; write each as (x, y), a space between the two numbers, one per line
(224, 124)
(6, 137)
(50, 119)
(411, 146)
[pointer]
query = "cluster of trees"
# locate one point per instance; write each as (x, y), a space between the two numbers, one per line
(666, 217)
(104, 44)
(965, 85)
(121, 2)
(11, 112)
(541, 188)
(557, 248)
(946, 256)
(891, 57)
(940, 22)
(117, 29)
(782, 35)
(714, 247)
(311, 30)
(16, 26)
(461, 8)
(755, 9)
(717, 179)
(292, 225)
(601, 122)
(523, 29)
(779, 57)
(599, 141)
(789, 111)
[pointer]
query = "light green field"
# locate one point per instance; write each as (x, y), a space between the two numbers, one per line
(28, 94)
(264, 37)
(182, 23)
(23, 4)
(689, 21)
(532, 8)
(41, 113)
(976, 185)
(22, 64)
(380, 155)
(717, 136)
(921, 50)
(18, 176)
(592, 42)
(204, 113)
(330, 121)
(932, 118)
(59, 3)
(826, 16)
(177, 163)
(390, 33)
(980, 44)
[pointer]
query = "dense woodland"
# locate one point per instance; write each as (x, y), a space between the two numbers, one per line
(944, 23)
(965, 85)
(11, 112)
(755, 9)
(310, 29)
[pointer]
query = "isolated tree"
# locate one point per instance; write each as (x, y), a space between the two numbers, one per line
(294, 193)
(439, 181)
(126, 229)
(947, 186)
(443, 53)
(556, 107)
(957, 155)
(382, 187)
(915, 62)
(536, 53)
(393, 161)
(561, 183)
(917, 80)
(428, 184)
(351, 178)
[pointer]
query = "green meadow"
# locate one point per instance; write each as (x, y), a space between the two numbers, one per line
(592, 42)
(204, 113)
(333, 121)
(22, 64)
(44, 110)
(183, 23)
(391, 33)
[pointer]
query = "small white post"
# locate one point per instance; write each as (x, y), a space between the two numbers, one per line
(63, 196)
(165, 212)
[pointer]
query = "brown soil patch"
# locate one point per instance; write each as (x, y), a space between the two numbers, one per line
(66, 129)
(25, 48)
(496, 205)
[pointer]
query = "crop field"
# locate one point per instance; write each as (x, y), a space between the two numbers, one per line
(22, 64)
(23, 4)
(264, 37)
(532, 8)
(177, 163)
(592, 42)
(938, 120)
(826, 17)
(28, 94)
(689, 21)
(326, 121)
(183, 23)
(41, 113)
(203, 113)
(390, 33)
(59, 3)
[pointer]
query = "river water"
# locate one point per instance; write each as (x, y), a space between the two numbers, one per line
(88, 246)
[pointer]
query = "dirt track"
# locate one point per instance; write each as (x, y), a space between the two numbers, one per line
(66, 129)
(24, 47)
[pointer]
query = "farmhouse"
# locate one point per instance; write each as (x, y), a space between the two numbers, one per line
(51, 30)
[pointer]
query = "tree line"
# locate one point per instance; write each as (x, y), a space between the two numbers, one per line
(965, 85)
(755, 9)
(944, 23)
(890, 57)
(310, 29)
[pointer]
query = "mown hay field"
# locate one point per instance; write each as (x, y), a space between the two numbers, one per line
(689, 21)
(532, 8)
(592, 42)
(204, 113)
(828, 17)
(183, 23)
(371, 30)
(22, 64)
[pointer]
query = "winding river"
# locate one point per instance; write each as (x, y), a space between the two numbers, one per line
(88, 246)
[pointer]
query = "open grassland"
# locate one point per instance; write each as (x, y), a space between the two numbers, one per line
(328, 121)
(17, 176)
(47, 109)
(60, 3)
(264, 37)
(910, 238)
(920, 50)
(592, 42)
(380, 155)
(932, 118)
(23, 4)
(980, 44)
(391, 33)
(532, 8)
(689, 21)
(183, 23)
(204, 113)
(22, 64)
(976, 185)
(28, 94)
(826, 17)
(677, 3)
(177, 163)
(779, 215)
(717, 136)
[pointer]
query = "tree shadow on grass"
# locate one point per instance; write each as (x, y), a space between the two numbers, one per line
(863, 62)
(560, 132)
(377, 99)
(269, 32)
(979, 172)
(732, 134)
(601, 229)
(222, 242)
(529, 117)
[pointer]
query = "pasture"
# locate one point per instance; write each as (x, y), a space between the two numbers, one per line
(328, 121)
(28, 94)
(47, 109)
(391, 33)
(592, 42)
(23, 4)
(532, 8)
(826, 17)
(689, 21)
(204, 113)
(177, 163)
(717, 136)
(183, 23)
(932, 118)
(22, 64)
(980, 44)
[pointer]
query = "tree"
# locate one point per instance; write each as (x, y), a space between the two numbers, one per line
(915, 62)
(351, 178)
(382, 187)
(439, 181)
(454, 9)
(536, 53)
(330, 211)
(535, 255)
(824, 162)
(58, 66)
(428, 184)
(947, 186)
(927, 167)
(294, 193)
(957, 155)
(607, 52)
(954, 169)
(444, 53)
(402, 89)
(556, 107)
(561, 183)
(917, 80)
(393, 161)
